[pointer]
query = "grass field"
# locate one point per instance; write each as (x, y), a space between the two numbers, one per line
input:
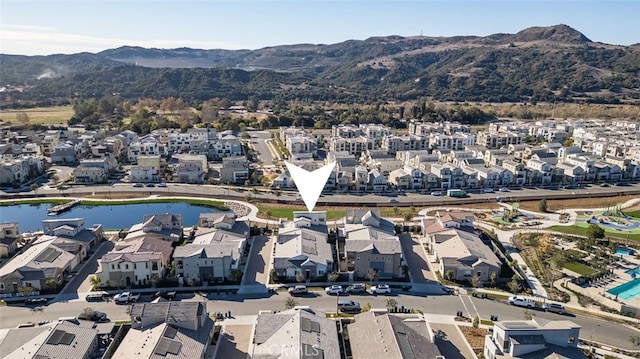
(54, 115)
(609, 232)
(580, 268)
(276, 212)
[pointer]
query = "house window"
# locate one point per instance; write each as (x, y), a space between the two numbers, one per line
(1, 286)
(118, 265)
(113, 266)
(146, 265)
(320, 272)
(571, 340)
(135, 266)
(467, 273)
(126, 266)
(154, 266)
(358, 258)
(27, 284)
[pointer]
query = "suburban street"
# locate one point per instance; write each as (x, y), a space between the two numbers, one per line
(596, 329)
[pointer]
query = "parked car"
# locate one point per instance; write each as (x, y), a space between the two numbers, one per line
(348, 306)
(393, 200)
(298, 289)
(504, 189)
(334, 289)
(380, 289)
(356, 288)
(604, 184)
(554, 308)
(97, 297)
(436, 193)
(164, 294)
(126, 297)
(150, 185)
(521, 301)
(488, 190)
(137, 185)
(36, 301)
(94, 316)
(162, 184)
(448, 290)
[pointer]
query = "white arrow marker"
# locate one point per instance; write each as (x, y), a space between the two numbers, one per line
(310, 184)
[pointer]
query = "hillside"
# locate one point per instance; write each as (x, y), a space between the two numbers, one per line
(556, 63)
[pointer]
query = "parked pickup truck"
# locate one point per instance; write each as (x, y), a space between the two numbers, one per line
(126, 297)
(522, 301)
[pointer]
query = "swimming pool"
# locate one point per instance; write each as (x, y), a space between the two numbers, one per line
(633, 271)
(622, 251)
(627, 290)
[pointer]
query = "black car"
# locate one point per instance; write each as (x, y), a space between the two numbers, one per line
(36, 301)
(94, 316)
(164, 294)
(98, 297)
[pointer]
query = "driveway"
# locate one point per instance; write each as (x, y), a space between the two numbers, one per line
(451, 343)
(258, 263)
(234, 342)
(81, 282)
(416, 260)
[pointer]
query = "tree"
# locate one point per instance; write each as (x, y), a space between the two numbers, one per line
(290, 303)
(514, 284)
(475, 281)
(87, 312)
(34, 187)
(51, 284)
(23, 118)
(24, 290)
(594, 232)
(390, 303)
(366, 308)
(371, 275)
(542, 206)
(493, 277)
(333, 276)
(449, 274)
(476, 321)
(273, 276)
(235, 275)
(300, 278)
(528, 314)
(95, 282)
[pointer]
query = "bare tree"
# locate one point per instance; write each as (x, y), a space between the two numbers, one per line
(23, 118)
(290, 303)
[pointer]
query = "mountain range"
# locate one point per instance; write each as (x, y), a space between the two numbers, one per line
(555, 63)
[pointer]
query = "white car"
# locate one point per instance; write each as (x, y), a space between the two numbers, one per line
(334, 289)
(488, 190)
(522, 301)
(436, 193)
(126, 297)
(392, 200)
(380, 289)
(504, 189)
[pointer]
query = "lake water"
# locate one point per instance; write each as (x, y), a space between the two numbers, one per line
(111, 217)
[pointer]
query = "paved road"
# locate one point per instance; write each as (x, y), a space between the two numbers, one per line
(604, 331)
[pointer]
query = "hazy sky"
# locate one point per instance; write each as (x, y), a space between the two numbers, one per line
(42, 27)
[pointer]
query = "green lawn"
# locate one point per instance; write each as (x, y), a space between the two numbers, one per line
(580, 268)
(32, 201)
(609, 232)
(197, 202)
(288, 212)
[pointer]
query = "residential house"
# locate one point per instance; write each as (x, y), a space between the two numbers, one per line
(457, 249)
(74, 230)
(518, 172)
(169, 330)
(147, 169)
(216, 249)
(64, 153)
(140, 262)
(397, 336)
(301, 247)
(400, 179)
(376, 182)
(40, 264)
(234, 170)
(535, 338)
(371, 245)
(9, 237)
(94, 170)
(226, 146)
(58, 339)
(167, 226)
(540, 172)
(16, 171)
(148, 145)
(294, 333)
(191, 168)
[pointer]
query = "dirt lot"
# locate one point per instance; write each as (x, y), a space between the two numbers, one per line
(475, 336)
(558, 205)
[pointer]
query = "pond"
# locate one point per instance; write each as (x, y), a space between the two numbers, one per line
(110, 216)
